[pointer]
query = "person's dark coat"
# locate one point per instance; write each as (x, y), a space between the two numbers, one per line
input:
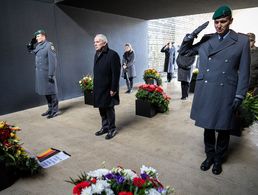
(223, 75)
(165, 50)
(129, 60)
(45, 66)
(254, 68)
(107, 68)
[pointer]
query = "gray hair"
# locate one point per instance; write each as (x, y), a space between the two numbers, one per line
(102, 37)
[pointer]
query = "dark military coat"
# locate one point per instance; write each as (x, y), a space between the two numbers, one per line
(46, 63)
(223, 75)
(107, 68)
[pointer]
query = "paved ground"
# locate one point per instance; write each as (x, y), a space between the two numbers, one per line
(168, 142)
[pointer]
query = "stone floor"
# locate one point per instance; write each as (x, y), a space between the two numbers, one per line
(168, 142)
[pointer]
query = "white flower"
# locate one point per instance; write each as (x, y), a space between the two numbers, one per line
(149, 170)
(100, 186)
(129, 174)
(98, 173)
(109, 192)
(152, 192)
(87, 191)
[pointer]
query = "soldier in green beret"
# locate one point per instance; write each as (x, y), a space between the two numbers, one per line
(221, 84)
(46, 63)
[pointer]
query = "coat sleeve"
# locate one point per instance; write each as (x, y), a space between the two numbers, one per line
(115, 69)
(163, 49)
(244, 70)
(130, 61)
(52, 61)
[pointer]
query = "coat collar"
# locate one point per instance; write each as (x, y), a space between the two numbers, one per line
(98, 54)
(217, 47)
(40, 46)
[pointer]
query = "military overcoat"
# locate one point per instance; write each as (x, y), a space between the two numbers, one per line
(45, 66)
(107, 68)
(223, 75)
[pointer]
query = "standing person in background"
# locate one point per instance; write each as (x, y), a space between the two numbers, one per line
(128, 62)
(185, 67)
(46, 63)
(169, 63)
(107, 68)
(253, 85)
(221, 84)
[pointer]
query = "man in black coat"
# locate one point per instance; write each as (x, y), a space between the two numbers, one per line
(106, 84)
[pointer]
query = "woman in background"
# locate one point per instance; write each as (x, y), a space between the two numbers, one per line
(128, 65)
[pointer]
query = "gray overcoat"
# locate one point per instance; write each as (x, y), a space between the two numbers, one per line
(46, 63)
(129, 60)
(223, 75)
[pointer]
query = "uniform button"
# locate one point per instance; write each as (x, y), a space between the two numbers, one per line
(205, 81)
(221, 84)
(223, 72)
(226, 60)
(208, 70)
(209, 58)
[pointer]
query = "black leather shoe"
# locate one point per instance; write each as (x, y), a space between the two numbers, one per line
(101, 132)
(217, 168)
(111, 134)
(207, 164)
(52, 115)
(46, 113)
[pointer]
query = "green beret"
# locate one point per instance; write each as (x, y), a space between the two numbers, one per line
(221, 12)
(39, 32)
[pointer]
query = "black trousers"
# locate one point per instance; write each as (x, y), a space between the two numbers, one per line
(108, 117)
(169, 76)
(216, 148)
(129, 81)
(52, 102)
(185, 88)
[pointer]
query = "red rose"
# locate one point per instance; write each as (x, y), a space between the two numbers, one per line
(79, 187)
(139, 182)
(93, 180)
(125, 193)
(159, 89)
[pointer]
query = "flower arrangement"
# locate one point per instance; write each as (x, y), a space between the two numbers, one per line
(155, 95)
(86, 83)
(194, 74)
(119, 181)
(12, 154)
(152, 74)
(248, 112)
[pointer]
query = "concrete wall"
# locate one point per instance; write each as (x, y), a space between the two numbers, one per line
(72, 31)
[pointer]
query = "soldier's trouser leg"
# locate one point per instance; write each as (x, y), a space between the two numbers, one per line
(49, 103)
(222, 144)
(54, 103)
(209, 142)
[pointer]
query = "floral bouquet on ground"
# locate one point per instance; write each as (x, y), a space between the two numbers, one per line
(155, 95)
(150, 75)
(119, 181)
(12, 154)
(86, 83)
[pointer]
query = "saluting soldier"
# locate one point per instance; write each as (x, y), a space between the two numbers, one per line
(46, 63)
(221, 84)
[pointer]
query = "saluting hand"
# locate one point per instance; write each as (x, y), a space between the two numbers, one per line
(199, 29)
